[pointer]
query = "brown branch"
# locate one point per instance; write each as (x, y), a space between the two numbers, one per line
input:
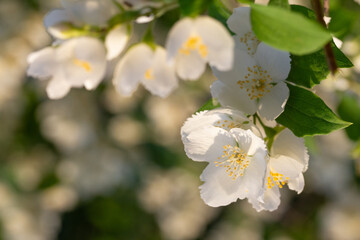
(326, 7)
(330, 58)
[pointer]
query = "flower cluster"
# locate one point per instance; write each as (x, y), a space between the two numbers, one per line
(90, 33)
(241, 164)
(243, 161)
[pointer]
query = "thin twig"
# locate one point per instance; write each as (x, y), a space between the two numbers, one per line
(326, 7)
(330, 58)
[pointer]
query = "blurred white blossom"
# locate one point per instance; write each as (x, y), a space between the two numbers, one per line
(142, 64)
(192, 43)
(76, 62)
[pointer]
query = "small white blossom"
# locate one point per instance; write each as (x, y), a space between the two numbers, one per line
(239, 23)
(192, 43)
(237, 164)
(142, 64)
(287, 162)
(76, 62)
(255, 84)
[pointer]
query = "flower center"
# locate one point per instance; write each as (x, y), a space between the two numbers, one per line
(257, 82)
(149, 74)
(234, 160)
(276, 178)
(84, 64)
(251, 42)
(194, 43)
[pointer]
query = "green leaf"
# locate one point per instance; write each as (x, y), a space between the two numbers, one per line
(193, 8)
(218, 11)
(280, 3)
(287, 30)
(246, 1)
(306, 114)
(306, 12)
(349, 110)
(209, 105)
(342, 22)
(308, 70)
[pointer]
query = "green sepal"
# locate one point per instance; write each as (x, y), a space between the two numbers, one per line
(209, 105)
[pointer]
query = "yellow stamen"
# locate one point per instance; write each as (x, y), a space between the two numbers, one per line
(149, 75)
(84, 64)
(194, 43)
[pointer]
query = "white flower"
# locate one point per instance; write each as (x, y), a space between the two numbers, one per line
(255, 84)
(239, 23)
(192, 43)
(236, 166)
(225, 118)
(143, 64)
(79, 13)
(75, 63)
(288, 160)
(116, 40)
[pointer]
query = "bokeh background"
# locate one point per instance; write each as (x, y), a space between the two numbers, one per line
(97, 166)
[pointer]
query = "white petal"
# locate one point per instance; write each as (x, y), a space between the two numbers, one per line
(57, 87)
(276, 62)
(219, 189)
(271, 199)
(286, 166)
(269, 123)
(253, 180)
(83, 61)
(338, 42)
(297, 184)
(178, 35)
(53, 22)
(272, 104)
(287, 144)
(242, 61)
(42, 64)
(92, 51)
(206, 144)
(131, 68)
(190, 67)
(230, 97)
(145, 19)
(116, 40)
(219, 117)
(164, 79)
(196, 121)
(243, 137)
(239, 21)
(218, 41)
(257, 145)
